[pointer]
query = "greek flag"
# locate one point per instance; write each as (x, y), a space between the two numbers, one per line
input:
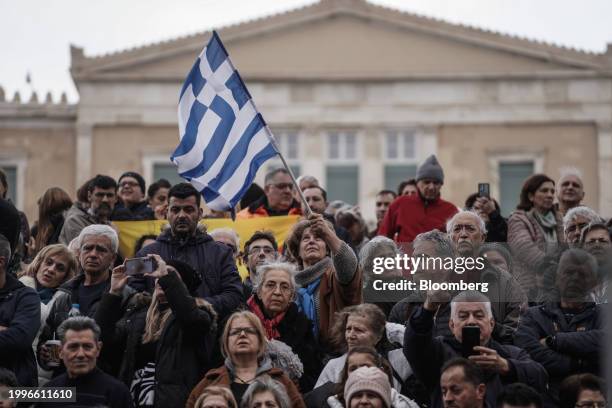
(223, 139)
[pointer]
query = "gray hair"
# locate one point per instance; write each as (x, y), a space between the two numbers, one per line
(5, 248)
(569, 171)
(262, 384)
(451, 223)
(307, 178)
(470, 296)
(580, 211)
(270, 175)
(78, 323)
(444, 247)
(262, 272)
(373, 248)
(226, 231)
(100, 230)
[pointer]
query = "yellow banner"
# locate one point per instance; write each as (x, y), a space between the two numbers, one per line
(131, 231)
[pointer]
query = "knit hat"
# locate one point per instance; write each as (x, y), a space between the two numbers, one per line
(138, 178)
(189, 276)
(430, 169)
(368, 379)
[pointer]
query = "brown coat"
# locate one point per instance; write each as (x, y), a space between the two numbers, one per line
(221, 376)
(528, 244)
(333, 297)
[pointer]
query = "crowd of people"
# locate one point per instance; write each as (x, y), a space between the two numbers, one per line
(175, 325)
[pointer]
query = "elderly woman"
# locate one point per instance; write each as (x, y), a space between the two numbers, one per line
(273, 304)
(163, 343)
(216, 397)
(328, 276)
(265, 392)
(534, 230)
(243, 345)
(363, 325)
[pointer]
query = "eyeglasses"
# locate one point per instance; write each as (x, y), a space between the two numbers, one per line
(283, 186)
(128, 184)
(247, 330)
(271, 286)
(591, 404)
(257, 249)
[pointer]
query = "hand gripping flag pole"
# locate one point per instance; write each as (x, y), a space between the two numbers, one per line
(224, 139)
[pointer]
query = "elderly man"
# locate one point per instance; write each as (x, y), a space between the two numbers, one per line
(504, 364)
(467, 233)
(221, 285)
(132, 205)
(566, 336)
(597, 241)
(228, 237)
(261, 248)
(102, 197)
(574, 222)
(278, 199)
(98, 245)
(19, 322)
(570, 190)
(80, 349)
(408, 216)
(462, 384)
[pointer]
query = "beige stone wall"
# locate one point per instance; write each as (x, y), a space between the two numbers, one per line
(120, 148)
(465, 152)
(48, 154)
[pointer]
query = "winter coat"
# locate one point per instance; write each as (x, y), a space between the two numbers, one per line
(20, 315)
(138, 212)
(397, 401)
(427, 354)
(65, 297)
(296, 331)
(408, 216)
(76, 219)
(578, 347)
(223, 376)
(183, 349)
(221, 285)
(529, 248)
(497, 228)
(260, 208)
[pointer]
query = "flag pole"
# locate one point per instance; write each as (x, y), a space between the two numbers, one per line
(305, 205)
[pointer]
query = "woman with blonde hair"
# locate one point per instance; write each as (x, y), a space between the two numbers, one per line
(163, 343)
(243, 345)
(216, 397)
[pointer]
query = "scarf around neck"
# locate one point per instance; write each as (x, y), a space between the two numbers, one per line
(548, 223)
(270, 325)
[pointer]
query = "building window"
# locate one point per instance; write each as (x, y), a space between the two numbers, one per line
(342, 172)
(400, 157)
(166, 171)
(11, 178)
(289, 145)
(512, 175)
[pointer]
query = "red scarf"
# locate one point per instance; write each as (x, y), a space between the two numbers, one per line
(270, 325)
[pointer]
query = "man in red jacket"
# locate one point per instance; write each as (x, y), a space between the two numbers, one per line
(409, 216)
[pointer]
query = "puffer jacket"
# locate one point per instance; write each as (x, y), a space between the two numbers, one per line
(183, 349)
(529, 248)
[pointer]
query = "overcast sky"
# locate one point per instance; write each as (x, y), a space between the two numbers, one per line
(36, 34)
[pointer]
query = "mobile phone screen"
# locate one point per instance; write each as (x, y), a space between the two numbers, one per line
(470, 338)
(138, 266)
(483, 190)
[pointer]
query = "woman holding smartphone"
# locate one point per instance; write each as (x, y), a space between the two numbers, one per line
(166, 340)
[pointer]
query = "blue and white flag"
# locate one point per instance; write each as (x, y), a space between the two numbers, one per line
(223, 139)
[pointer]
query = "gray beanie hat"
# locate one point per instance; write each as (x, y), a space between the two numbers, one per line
(431, 169)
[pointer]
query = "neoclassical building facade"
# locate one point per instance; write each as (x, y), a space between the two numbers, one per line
(357, 95)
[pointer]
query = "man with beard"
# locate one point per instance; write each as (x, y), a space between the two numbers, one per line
(408, 216)
(566, 336)
(596, 240)
(427, 354)
(184, 241)
(102, 197)
(570, 191)
(278, 199)
(261, 248)
(467, 233)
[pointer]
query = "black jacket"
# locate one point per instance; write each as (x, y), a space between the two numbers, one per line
(578, 344)
(183, 350)
(137, 212)
(427, 354)
(296, 331)
(497, 228)
(221, 285)
(20, 314)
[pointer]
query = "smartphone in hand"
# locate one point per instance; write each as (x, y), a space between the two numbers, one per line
(483, 190)
(470, 338)
(139, 266)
